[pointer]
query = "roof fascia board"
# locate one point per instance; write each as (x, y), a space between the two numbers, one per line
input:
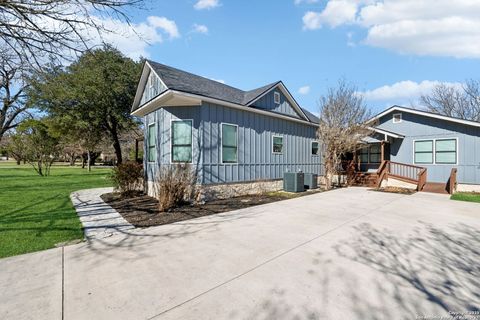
(140, 86)
(152, 104)
(388, 133)
(170, 94)
(426, 114)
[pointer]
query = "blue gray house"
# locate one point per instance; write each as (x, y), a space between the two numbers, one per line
(230, 136)
(239, 141)
(415, 139)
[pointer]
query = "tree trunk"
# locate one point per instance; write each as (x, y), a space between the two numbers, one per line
(73, 159)
(88, 162)
(112, 127)
(83, 160)
(118, 150)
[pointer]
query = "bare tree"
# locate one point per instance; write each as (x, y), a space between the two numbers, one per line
(463, 102)
(342, 125)
(13, 84)
(36, 29)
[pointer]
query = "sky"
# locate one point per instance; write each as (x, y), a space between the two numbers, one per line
(391, 50)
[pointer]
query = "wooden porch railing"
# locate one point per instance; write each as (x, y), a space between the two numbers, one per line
(452, 181)
(402, 171)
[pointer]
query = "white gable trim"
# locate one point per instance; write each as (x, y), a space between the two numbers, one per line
(387, 133)
(287, 94)
(426, 114)
(147, 69)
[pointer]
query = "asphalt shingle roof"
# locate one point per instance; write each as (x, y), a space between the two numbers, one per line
(183, 81)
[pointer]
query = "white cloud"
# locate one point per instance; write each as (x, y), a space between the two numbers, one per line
(336, 12)
(200, 28)
(404, 91)
(135, 38)
(298, 2)
(206, 4)
(304, 90)
(428, 27)
(168, 26)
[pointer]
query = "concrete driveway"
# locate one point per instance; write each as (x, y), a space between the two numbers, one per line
(344, 254)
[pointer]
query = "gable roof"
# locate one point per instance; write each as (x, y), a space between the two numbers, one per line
(426, 114)
(186, 82)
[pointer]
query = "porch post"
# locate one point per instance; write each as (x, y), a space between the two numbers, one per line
(383, 150)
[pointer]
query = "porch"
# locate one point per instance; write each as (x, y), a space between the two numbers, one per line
(370, 165)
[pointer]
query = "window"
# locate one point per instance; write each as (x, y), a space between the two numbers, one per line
(315, 148)
(375, 153)
(229, 143)
(276, 97)
(363, 155)
(152, 154)
(397, 117)
(277, 144)
(446, 151)
(423, 151)
(181, 140)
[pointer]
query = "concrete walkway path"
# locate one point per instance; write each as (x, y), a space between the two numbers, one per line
(99, 220)
(345, 254)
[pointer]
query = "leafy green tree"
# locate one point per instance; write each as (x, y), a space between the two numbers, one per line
(39, 147)
(76, 135)
(96, 92)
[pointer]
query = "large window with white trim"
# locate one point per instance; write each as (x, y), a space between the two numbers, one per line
(181, 140)
(423, 152)
(446, 151)
(151, 143)
(229, 143)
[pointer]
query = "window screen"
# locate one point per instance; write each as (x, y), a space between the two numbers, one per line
(315, 148)
(229, 143)
(375, 153)
(424, 151)
(152, 154)
(446, 151)
(181, 141)
(277, 144)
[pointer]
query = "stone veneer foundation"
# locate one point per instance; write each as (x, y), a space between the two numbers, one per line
(229, 190)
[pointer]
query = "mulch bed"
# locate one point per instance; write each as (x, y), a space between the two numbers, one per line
(142, 210)
(395, 190)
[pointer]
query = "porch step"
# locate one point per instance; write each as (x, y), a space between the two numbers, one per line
(435, 187)
(365, 179)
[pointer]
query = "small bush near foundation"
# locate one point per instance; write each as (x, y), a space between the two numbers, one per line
(174, 186)
(127, 177)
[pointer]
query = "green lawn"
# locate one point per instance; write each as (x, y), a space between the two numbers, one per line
(36, 212)
(466, 196)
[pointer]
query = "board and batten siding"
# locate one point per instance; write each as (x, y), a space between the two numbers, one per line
(162, 119)
(255, 158)
(153, 87)
(419, 127)
(267, 103)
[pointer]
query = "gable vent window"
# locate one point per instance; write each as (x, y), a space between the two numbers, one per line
(397, 118)
(276, 97)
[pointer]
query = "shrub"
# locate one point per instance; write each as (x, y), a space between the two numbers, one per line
(174, 186)
(127, 177)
